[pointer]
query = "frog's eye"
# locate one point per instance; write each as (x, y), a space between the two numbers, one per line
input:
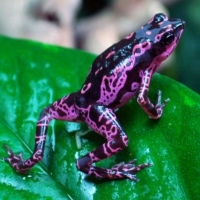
(168, 38)
(160, 17)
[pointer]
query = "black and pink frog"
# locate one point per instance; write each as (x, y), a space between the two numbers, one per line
(116, 76)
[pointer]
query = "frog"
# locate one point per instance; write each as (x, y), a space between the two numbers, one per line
(121, 72)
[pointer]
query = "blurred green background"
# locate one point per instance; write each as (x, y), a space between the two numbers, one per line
(187, 64)
(83, 24)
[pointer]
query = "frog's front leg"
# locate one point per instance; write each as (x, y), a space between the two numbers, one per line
(62, 109)
(154, 111)
(103, 121)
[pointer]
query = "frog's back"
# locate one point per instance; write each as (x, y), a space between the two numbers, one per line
(111, 58)
(110, 74)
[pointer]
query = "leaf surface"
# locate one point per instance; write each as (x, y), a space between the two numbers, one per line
(33, 75)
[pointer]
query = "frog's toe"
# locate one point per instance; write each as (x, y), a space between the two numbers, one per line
(15, 160)
(129, 170)
(12, 156)
(130, 176)
(159, 104)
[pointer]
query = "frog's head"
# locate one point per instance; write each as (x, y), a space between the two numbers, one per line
(158, 38)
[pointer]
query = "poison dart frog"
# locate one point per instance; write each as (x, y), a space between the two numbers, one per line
(116, 76)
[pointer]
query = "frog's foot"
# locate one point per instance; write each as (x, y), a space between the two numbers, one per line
(159, 105)
(157, 110)
(16, 161)
(154, 111)
(119, 171)
(128, 170)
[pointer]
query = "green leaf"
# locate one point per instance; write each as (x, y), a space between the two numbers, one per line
(34, 75)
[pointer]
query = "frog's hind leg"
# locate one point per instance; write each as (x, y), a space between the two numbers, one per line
(63, 109)
(104, 121)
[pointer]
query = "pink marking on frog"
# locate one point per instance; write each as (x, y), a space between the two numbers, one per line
(130, 36)
(135, 86)
(148, 32)
(141, 73)
(85, 88)
(143, 47)
(111, 85)
(40, 138)
(110, 54)
(98, 70)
